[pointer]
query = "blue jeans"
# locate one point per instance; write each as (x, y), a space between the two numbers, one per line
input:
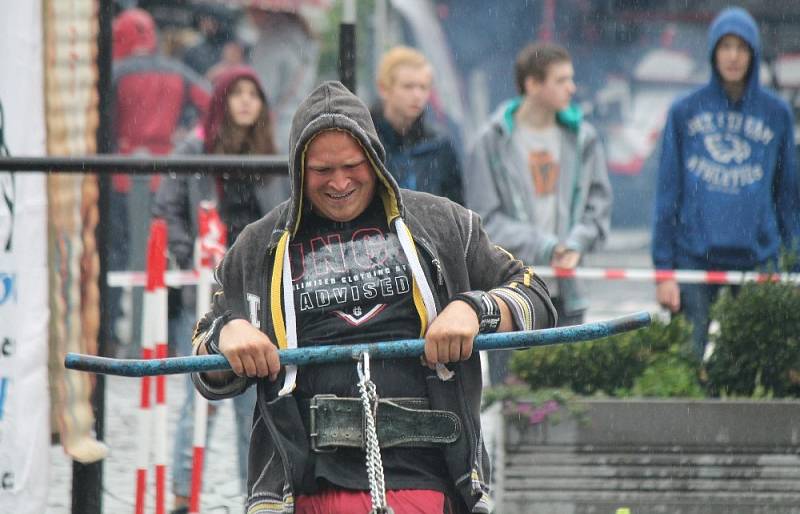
(180, 330)
(696, 301)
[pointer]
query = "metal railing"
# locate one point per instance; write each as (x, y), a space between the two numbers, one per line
(138, 165)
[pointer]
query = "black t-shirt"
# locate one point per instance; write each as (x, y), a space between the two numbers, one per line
(352, 284)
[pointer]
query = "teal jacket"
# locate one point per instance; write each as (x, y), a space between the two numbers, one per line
(499, 187)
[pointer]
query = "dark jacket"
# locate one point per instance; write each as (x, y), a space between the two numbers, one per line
(455, 255)
(423, 159)
(727, 195)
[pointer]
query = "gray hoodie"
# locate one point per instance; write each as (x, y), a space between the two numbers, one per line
(452, 253)
(498, 185)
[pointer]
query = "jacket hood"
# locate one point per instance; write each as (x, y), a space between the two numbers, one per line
(738, 22)
(570, 118)
(219, 100)
(134, 31)
(331, 106)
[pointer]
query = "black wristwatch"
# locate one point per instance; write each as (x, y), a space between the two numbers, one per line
(485, 306)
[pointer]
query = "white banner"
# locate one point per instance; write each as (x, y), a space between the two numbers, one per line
(24, 401)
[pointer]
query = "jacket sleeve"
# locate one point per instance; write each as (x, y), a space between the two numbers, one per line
(481, 192)
(226, 305)
(172, 204)
(787, 191)
(668, 194)
(491, 268)
(592, 223)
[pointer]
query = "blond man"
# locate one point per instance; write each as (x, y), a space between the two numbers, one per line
(419, 155)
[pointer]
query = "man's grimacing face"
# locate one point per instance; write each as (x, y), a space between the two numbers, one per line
(339, 180)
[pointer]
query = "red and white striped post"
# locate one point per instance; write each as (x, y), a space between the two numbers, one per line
(154, 337)
(157, 267)
(143, 455)
(212, 237)
(198, 451)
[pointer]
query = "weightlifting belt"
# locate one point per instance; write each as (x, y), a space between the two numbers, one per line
(400, 422)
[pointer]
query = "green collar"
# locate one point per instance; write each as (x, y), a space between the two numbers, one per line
(570, 117)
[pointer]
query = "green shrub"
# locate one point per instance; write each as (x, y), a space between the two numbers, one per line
(756, 353)
(672, 375)
(614, 365)
(757, 348)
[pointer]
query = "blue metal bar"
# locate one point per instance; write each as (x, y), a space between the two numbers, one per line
(383, 350)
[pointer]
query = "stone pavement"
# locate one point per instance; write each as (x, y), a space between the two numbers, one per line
(607, 299)
(119, 470)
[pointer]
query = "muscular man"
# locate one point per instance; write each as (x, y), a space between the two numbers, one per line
(352, 259)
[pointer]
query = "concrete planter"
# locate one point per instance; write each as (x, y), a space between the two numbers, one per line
(654, 456)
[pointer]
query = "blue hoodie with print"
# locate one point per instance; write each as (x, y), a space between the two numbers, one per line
(727, 194)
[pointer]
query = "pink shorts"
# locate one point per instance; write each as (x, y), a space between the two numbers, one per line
(346, 501)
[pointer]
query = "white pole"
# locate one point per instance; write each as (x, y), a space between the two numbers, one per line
(349, 12)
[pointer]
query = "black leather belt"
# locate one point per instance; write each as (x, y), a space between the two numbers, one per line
(400, 422)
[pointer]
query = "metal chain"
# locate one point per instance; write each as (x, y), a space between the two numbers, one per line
(369, 403)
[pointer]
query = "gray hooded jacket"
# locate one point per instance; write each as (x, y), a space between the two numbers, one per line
(498, 186)
(455, 255)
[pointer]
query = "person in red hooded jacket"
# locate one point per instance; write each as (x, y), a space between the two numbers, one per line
(151, 91)
(238, 122)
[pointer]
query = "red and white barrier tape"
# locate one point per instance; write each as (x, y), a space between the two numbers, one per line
(139, 278)
(681, 276)
(190, 278)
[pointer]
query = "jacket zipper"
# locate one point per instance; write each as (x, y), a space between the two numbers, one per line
(439, 277)
(265, 293)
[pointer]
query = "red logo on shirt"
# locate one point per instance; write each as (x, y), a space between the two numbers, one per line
(544, 170)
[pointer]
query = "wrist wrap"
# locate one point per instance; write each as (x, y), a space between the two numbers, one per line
(485, 306)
